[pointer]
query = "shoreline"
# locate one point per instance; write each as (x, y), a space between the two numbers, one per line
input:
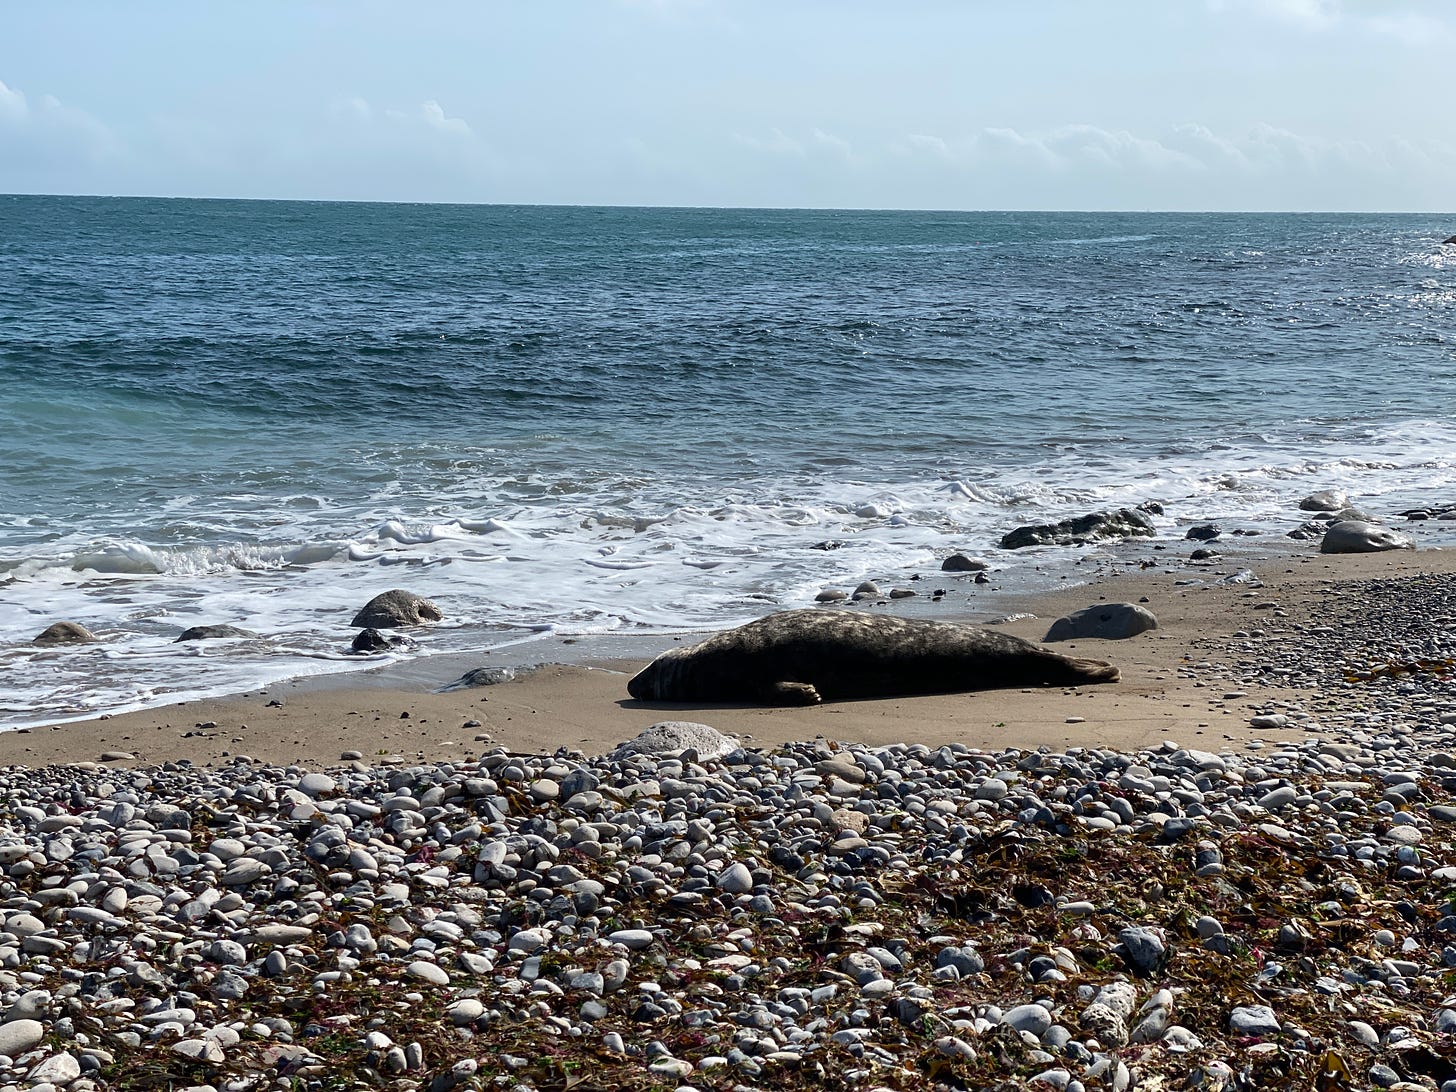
(395, 714)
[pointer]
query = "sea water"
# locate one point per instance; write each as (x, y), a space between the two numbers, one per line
(560, 422)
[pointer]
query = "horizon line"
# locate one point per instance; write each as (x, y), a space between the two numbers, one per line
(730, 208)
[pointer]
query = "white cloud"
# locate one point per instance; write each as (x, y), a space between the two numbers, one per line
(42, 138)
(932, 144)
(1187, 166)
(13, 107)
(428, 116)
(1185, 148)
(1310, 14)
(834, 145)
(775, 143)
(433, 115)
(352, 109)
(1412, 28)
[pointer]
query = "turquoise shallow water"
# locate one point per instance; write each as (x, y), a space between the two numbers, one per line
(575, 420)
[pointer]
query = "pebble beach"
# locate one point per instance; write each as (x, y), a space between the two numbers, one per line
(1259, 895)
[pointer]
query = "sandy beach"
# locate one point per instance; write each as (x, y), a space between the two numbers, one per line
(394, 716)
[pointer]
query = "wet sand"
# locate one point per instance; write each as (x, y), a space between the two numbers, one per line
(393, 715)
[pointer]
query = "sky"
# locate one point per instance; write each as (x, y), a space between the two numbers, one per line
(1300, 105)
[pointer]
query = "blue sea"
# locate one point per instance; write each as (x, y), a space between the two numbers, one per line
(562, 422)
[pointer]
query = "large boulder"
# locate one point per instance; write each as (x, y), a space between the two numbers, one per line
(1093, 527)
(1103, 621)
(1326, 500)
(212, 633)
(397, 608)
(64, 633)
(1354, 536)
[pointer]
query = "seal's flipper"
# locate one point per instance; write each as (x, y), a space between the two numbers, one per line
(792, 693)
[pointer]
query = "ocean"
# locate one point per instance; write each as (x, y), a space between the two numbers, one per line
(566, 422)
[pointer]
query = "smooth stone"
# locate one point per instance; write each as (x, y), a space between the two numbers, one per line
(1278, 798)
(1353, 536)
(201, 1050)
(465, 1011)
(1104, 622)
(736, 879)
(632, 938)
(244, 870)
(1253, 1020)
(317, 784)
(59, 1069)
(18, 1036)
(528, 940)
(428, 972)
(1035, 1019)
(280, 934)
(992, 789)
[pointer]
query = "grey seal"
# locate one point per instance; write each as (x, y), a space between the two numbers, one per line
(802, 657)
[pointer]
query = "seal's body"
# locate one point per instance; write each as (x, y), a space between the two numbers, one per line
(802, 657)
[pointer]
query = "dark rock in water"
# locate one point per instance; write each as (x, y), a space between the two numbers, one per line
(1326, 500)
(1308, 530)
(371, 640)
(1153, 508)
(831, 595)
(1104, 621)
(827, 544)
(802, 657)
(1433, 511)
(960, 563)
(64, 633)
(1350, 513)
(1093, 527)
(1202, 554)
(1204, 532)
(212, 633)
(487, 676)
(397, 608)
(1354, 536)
